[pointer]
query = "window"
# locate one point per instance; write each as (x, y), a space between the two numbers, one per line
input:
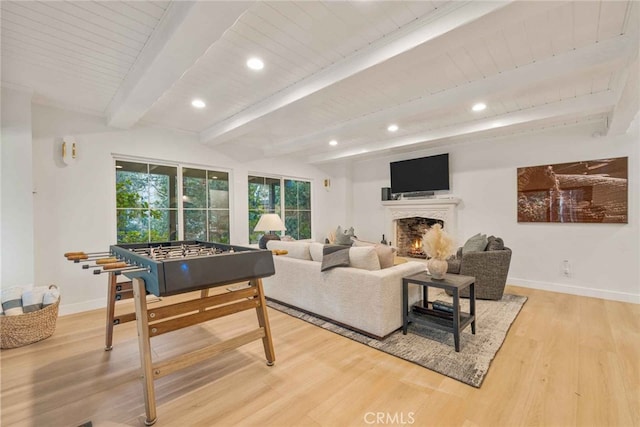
(146, 207)
(149, 206)
(205, 198)
(297, 208)
(265, 196)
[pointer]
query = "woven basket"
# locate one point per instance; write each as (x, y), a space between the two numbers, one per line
(23, 329)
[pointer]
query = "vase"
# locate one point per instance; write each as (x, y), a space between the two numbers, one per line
(437, 267)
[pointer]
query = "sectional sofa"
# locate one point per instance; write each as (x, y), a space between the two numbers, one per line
(362, 297)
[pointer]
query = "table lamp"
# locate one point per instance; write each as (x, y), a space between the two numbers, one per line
(268, 223)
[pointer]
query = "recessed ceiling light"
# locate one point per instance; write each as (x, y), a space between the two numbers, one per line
(198, 103)
(479, 106)
(118, 166)
(392, 128)
(255, 63)
(333, 142)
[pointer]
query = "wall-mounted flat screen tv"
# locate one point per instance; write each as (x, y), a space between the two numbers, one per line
(423, 174)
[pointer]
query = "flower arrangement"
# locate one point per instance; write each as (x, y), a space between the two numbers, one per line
(437, 243)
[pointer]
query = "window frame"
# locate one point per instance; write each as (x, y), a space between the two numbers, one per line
(179, 177)
(282, 179)
(207, 209)
(297, 209)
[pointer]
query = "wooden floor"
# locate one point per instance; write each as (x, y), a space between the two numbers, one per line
(567, 361)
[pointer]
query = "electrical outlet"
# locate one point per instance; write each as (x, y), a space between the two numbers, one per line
(566, 268)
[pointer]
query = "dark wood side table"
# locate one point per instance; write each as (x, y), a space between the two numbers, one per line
(425, 315)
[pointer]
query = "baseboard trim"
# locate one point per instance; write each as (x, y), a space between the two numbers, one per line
(81, 306)
(100, 303)
(575, 290)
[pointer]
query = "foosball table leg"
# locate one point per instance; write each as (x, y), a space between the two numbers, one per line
(144, 342)
(203, 294)
(111, 309)
(263, 321)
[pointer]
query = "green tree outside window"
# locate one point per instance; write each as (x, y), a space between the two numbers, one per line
(205, 197)
(297, 215)
(265, 197)
(147, 203)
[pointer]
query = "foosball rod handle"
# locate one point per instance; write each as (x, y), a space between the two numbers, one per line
(118, 271)
(71, 256)
(100, 263)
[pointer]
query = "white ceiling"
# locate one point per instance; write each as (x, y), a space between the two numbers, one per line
(333, 70)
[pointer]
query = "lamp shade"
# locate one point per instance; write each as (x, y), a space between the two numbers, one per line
(270, 222)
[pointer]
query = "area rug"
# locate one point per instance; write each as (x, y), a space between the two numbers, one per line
(432, 348)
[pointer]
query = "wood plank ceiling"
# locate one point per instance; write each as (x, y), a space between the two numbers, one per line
(75, 54)
(333, 70)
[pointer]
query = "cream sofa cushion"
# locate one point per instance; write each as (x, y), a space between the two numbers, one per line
(315, 249)
(360, 258)
(298, 250)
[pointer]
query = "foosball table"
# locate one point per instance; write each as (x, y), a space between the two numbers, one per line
(177, 267)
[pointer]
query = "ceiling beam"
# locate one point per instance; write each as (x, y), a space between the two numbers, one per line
(628, 103)
(186, 31)
(586, 104)
(451, 16)
(615, 50)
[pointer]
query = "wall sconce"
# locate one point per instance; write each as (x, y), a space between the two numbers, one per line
(69, 150)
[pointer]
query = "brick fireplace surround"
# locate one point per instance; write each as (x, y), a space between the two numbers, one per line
(412, 210)
(409, 232)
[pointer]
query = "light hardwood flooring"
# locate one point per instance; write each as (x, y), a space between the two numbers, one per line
(566, 361)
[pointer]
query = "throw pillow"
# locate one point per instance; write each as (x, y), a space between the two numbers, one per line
(495, 244)
(299, 250)
(475, 243)
(344, 237)
(334, 256)
(385, 253)
(364, 257)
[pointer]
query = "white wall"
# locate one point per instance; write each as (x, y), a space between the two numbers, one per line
(73, 208)
(75, 205)
(603, 257)
(16, 231)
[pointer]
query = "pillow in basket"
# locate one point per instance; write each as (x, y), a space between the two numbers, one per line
(12, 301)
(50, 296)
(32, 299)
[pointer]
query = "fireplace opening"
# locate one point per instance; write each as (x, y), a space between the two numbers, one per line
(409, 232)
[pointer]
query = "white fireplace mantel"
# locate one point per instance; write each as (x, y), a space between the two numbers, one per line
(437, 208)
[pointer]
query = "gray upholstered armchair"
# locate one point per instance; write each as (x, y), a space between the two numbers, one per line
(489, 267)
